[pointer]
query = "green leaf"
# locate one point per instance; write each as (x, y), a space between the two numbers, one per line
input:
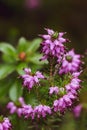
(20, 68)
(8, 58)
(31, 99)
(34, 46)
(22, 45)
(3, 91)
(4, 87)
(7, 49)
(15, 91)
(9, 52)
(36, 59)
(5, 70)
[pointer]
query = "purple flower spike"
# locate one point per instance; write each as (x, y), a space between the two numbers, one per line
(52, 45)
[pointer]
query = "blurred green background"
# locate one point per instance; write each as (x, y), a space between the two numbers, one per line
(26, 18)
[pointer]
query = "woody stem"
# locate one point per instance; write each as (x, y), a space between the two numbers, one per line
(51, 71)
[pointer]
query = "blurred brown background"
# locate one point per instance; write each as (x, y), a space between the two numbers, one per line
(27, 18)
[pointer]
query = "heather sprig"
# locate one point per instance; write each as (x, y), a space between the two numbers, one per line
(55, 90)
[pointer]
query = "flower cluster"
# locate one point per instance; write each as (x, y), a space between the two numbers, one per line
(38, 111)
(71, 94)
(28, 111)
(5, 124)
(42, 110)
(70, 63)
(29, 80)
(52, 46)
(16, 107)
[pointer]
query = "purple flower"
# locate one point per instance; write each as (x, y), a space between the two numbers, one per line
(29, 79)
(27, 70)
(62, 103)
(5, 124)
(28, 111)
(39, 75)
(12, 107)
(42, 111)
(77, 110)
(54, 90)
(67, 100)
(73, 87)
(70, 63)
(72, 96)
(16, 107)
(1, 126)
(75, 83)
(52, 44)
(59, 105)
(76, 74)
